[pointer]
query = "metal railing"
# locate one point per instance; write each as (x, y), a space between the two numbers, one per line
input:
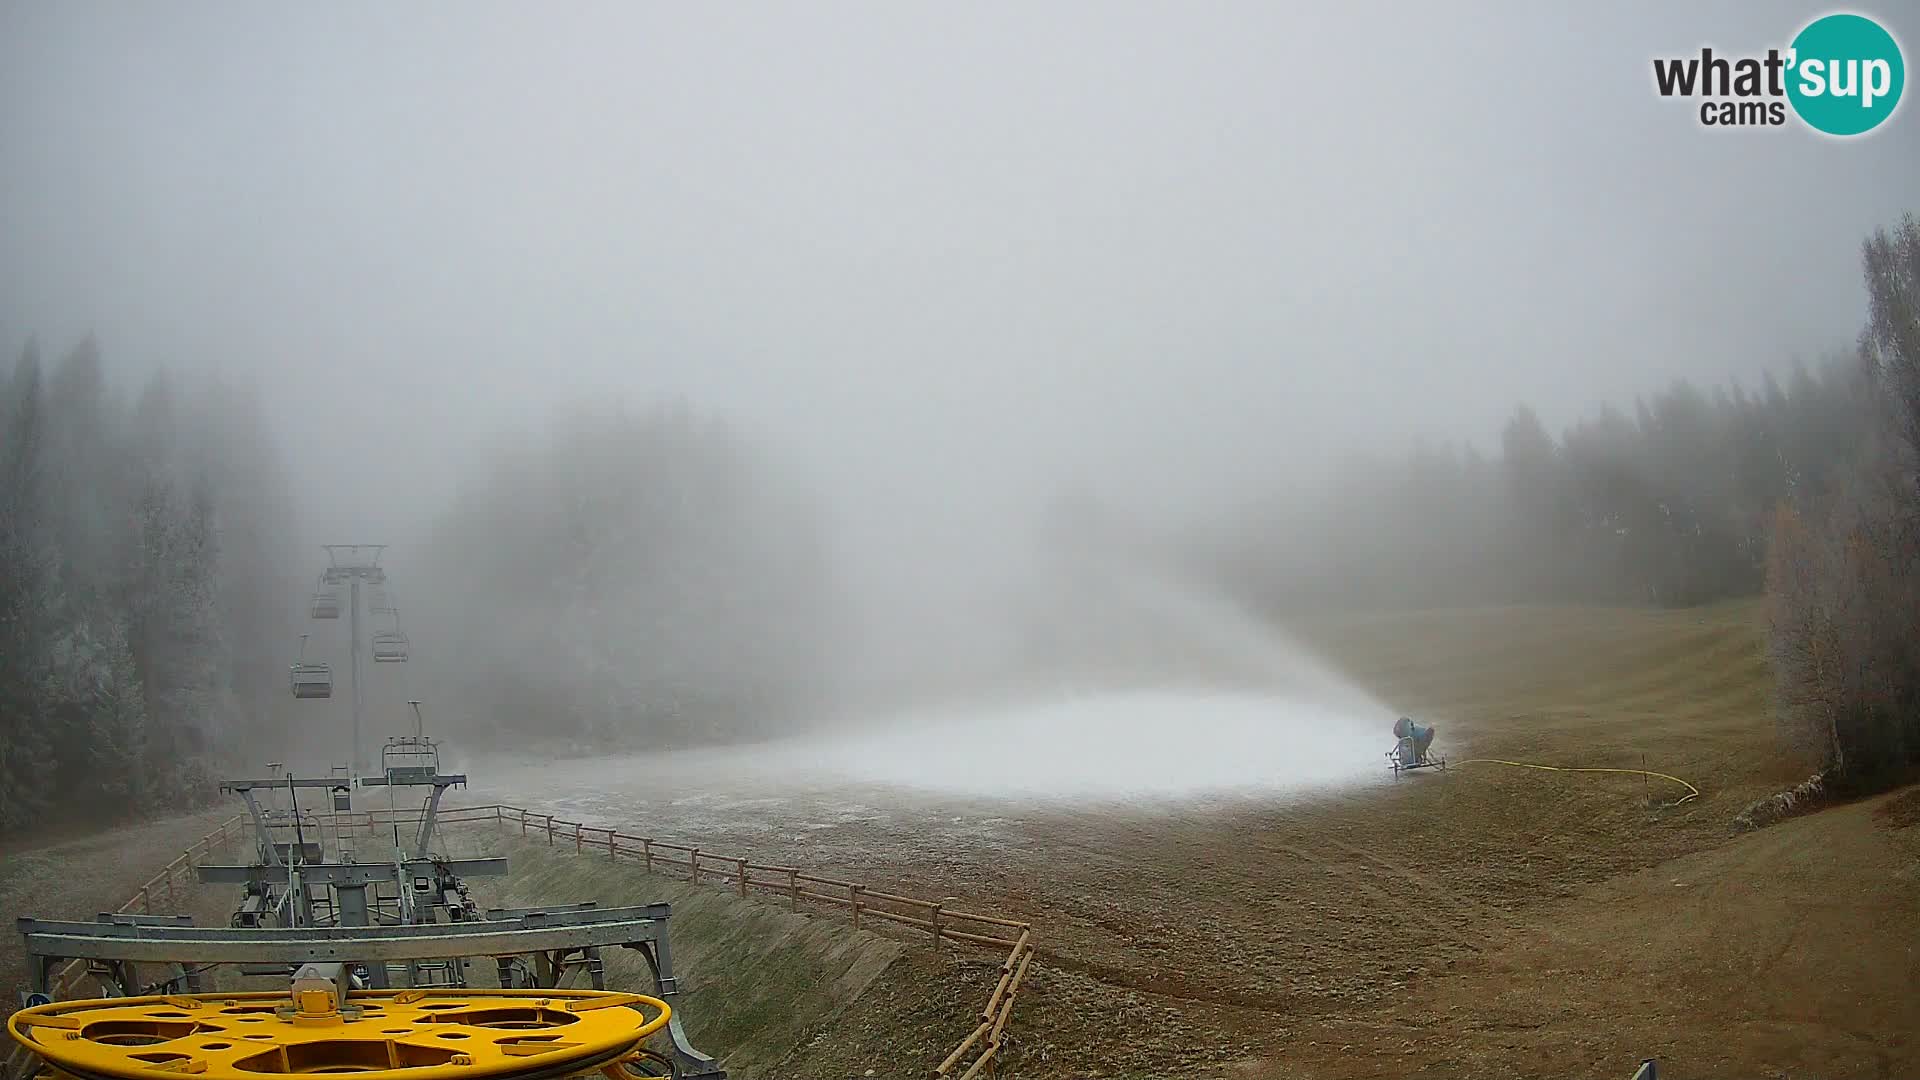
(941, 923)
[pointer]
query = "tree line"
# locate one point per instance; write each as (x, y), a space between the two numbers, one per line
(1843, 576)
(1807, 493)
(141, 608)
(644, 578)
(1671, 505)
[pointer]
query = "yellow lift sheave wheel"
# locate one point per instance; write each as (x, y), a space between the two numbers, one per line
(463, 1034)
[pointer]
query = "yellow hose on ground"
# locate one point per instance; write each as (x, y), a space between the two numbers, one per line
(1692, 792)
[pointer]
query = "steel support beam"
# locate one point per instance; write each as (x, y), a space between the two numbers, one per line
(368, 944)
(353, 874)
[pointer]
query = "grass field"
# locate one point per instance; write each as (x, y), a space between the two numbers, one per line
(1487, 921)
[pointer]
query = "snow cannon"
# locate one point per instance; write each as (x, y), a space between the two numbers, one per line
(1411, 747)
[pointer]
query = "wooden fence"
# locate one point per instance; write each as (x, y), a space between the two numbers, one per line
(941, 923)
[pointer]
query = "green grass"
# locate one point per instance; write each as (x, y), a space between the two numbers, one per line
(758, 981)
(1681, 689)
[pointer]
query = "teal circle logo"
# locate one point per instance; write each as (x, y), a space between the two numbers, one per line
(1845, 74)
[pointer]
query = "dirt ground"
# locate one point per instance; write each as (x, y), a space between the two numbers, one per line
(79, 877)
(1487, 921)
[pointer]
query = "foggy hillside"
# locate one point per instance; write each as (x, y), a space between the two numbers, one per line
(716, 376)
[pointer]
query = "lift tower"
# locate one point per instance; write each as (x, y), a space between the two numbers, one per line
(354, 565)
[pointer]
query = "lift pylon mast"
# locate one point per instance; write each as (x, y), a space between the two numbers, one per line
(354, 565)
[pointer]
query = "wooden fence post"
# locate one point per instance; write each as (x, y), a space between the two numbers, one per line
(646, 853)
(612, 852)
(523, 823)
(934, 917)
(793, 886)
(549, 830)
(741, 866)
(853, 892)
(693, 866)
(576, 838)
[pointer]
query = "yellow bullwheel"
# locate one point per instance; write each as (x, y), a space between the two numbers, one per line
(413, 1034)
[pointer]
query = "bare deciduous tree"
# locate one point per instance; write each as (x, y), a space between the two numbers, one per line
(1844, 571)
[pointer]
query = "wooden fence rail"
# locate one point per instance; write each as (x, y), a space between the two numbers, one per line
(733, 871)
(744, 875)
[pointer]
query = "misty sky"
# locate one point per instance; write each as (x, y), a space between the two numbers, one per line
(931, 250)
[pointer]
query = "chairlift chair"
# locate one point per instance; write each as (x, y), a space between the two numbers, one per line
(326, 605)
(389, 647)
(312, 681)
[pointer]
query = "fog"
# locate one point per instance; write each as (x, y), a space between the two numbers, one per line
(1157, 248)
(1189, 697)
(1141, 749)
(938, 269)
